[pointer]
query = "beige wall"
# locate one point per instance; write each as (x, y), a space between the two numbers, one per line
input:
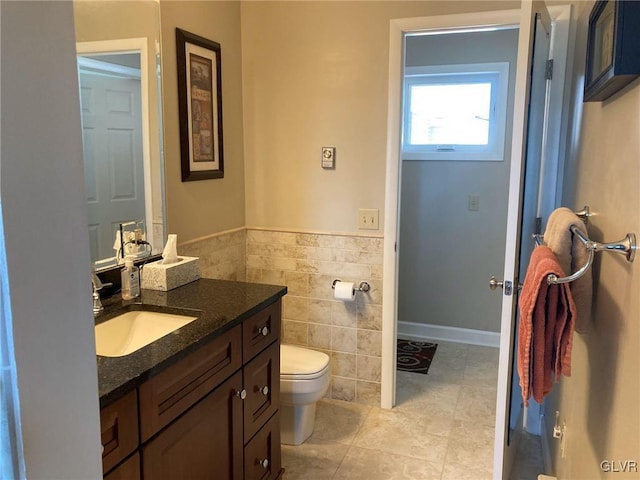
(315, 74)
(201, 208)
(601, 400)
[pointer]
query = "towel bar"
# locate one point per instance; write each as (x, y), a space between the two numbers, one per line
(584, 214)
(626, 246)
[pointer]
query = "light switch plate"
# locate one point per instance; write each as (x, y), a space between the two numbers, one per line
(368, 219)
(474, 203)
(328, 157)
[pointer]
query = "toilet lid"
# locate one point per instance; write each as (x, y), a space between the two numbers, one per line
(302, 362)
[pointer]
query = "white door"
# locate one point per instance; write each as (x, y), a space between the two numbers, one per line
(112, 143)
(527, 150)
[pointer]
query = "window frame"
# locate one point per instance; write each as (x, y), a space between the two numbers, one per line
(497, 73)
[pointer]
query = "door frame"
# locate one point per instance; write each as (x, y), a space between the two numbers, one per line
(556, 146)
(398, 30)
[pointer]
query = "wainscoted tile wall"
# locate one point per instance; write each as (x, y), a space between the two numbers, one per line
(222, 256)
(307, 263)
(351, 333)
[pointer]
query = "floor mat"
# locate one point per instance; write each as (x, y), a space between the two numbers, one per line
(415, 356)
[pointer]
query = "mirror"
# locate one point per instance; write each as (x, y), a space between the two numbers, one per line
(118, 45)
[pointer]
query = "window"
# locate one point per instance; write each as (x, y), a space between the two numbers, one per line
(455, 112)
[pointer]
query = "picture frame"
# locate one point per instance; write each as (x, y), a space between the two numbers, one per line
(199, 67)
(613, 56)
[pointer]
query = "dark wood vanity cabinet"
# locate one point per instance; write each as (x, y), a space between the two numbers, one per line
(205, 442)
(212, 415)
(173, 391)
(119, 430)
(127, 470)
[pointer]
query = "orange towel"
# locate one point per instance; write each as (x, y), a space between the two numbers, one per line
(545, 334)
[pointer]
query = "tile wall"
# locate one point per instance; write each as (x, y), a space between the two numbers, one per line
(351, 333)
(307, 263)
(222, 255)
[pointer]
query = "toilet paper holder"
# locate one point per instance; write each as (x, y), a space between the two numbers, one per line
(364, 286)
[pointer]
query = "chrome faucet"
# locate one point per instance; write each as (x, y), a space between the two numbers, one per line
(97, 286)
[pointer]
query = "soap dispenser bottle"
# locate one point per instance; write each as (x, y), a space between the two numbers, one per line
(130, 277)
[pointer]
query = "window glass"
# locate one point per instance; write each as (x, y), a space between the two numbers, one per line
(455, 112)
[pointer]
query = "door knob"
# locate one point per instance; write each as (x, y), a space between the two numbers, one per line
(494, 283)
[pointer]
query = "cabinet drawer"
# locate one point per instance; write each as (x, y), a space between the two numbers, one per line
(128, 470)
(262, 460)
(262, 383)
(172, 392)
(204, 443)
(119, 430)
(260, 330)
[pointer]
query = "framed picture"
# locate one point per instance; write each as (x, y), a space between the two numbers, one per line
(613, 56)
(199, 106)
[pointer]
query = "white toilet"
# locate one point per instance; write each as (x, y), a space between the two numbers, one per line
(304, 379)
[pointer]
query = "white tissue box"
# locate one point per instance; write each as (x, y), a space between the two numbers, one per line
(156, 276)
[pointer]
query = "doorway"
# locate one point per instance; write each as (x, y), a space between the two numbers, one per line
(453, 198)
(551, 178)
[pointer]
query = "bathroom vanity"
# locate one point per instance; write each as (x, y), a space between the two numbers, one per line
(202, 401)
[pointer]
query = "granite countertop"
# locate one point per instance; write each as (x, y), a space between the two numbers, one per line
(219, 305)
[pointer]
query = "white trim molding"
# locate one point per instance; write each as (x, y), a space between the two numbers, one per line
(430, 332)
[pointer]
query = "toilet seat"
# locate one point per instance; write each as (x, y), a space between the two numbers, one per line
(301, 363)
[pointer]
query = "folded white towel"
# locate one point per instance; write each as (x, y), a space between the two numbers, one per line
(572, 255)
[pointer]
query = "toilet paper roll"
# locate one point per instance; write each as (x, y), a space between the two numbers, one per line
(344, 291)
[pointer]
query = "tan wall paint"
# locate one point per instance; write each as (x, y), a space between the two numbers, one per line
(601, 400)
(201, 208)
(315, 74)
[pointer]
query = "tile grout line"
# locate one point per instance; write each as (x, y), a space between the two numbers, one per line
(446, 454)
(368, 412)
(351, 442)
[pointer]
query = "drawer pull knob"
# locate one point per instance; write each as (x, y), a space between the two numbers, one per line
(264, 331)
(242, 394)
(265, 390)
(264, 463)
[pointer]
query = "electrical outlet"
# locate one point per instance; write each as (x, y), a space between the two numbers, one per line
(368, 219)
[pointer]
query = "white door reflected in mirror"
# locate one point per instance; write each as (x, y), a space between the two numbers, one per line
(110, 100)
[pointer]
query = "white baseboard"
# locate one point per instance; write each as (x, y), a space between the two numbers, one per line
(423, 332)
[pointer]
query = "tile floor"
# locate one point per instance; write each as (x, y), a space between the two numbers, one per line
(442, 427)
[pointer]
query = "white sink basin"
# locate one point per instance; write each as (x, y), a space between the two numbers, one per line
(130, 331)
